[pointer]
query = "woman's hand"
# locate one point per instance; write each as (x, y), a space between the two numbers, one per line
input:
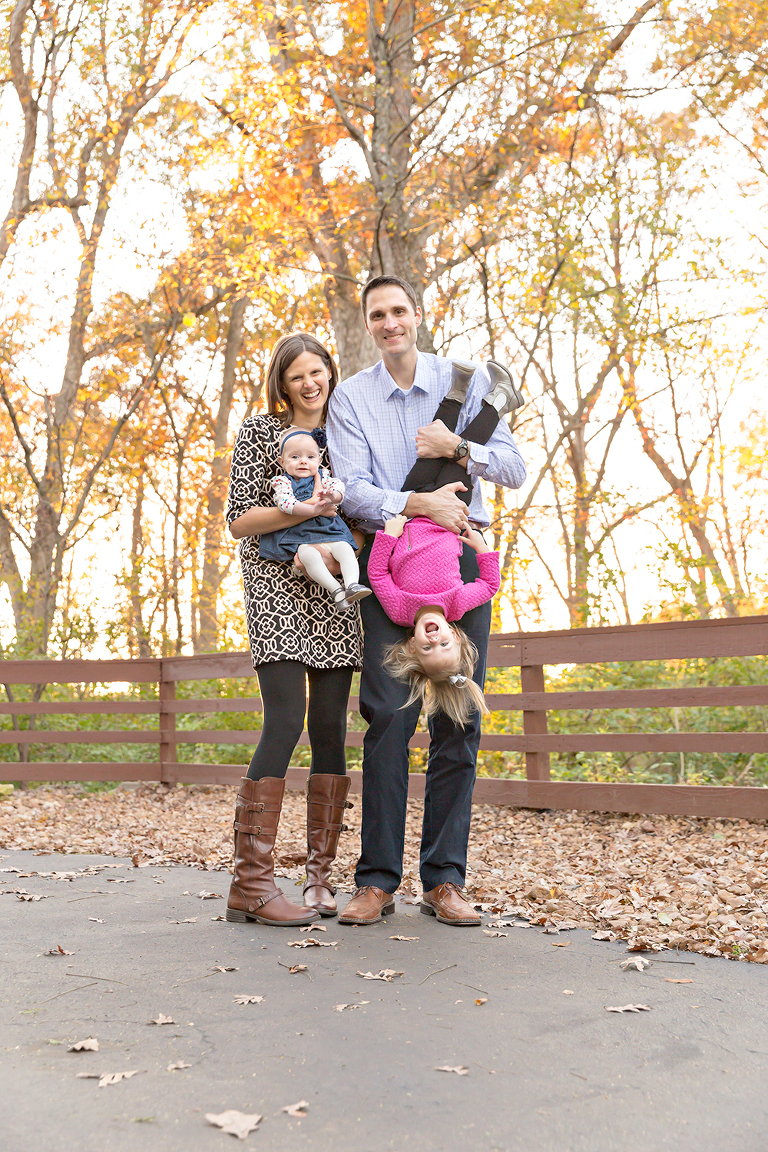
(395, 526)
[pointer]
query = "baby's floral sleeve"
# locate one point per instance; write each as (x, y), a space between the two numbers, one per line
(284, 497)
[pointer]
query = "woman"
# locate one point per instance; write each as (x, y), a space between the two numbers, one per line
(297, 637)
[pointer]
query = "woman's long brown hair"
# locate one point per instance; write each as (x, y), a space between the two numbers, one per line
(283, 355)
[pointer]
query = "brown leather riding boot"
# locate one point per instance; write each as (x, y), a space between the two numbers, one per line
(326, 801)
(253, 894)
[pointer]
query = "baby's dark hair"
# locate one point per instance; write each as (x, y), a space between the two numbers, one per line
(452, 691)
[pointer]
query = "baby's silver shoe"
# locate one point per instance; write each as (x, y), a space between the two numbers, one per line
(340, 602)
(354, 592)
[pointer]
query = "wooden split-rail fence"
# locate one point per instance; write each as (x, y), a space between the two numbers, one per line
(531, 652)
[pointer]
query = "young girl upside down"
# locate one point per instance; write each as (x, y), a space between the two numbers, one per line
(414, 571)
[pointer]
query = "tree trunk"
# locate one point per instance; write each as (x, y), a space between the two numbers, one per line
(210, 584)
(137, 629)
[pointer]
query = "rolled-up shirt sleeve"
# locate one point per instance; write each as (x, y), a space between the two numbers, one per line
(499, 461)
(351, 462)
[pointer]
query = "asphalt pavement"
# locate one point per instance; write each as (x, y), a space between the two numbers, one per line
(541, 1063)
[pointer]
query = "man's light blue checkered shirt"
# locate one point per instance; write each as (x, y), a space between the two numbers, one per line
(372, 425)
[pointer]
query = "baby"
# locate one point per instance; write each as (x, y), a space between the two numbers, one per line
(300, 491)
(415, 573)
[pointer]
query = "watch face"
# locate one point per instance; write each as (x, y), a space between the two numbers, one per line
(462, 450)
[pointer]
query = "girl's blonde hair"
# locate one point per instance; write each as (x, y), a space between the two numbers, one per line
(459, 701)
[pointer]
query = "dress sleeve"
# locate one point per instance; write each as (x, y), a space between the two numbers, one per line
(392, 599)
(246, 478)
(284, 497)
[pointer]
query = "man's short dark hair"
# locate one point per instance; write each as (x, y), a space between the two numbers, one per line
(385, 281)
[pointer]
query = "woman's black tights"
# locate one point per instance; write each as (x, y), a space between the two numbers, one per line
(283, 687)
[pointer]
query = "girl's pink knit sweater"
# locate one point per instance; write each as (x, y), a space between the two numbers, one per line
(422, 568)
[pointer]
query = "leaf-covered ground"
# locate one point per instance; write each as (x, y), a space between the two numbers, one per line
(658, 882)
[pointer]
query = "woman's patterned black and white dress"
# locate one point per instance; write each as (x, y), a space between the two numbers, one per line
(289, 617)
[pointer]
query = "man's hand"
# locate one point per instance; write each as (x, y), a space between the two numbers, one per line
(395, 526)
(435, 440)
(442, 506)
(475, 540)
(332, 565)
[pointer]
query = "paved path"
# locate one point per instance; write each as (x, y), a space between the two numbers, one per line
(546, 1070)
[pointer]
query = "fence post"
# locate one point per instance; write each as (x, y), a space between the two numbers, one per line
(166, 692)
(534, 722)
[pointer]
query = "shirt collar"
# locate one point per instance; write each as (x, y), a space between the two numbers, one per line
(420, 380)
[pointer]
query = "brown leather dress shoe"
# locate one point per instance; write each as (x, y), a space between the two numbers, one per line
(368, 906)
(449, 905)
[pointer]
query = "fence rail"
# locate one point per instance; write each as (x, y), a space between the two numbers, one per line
(530, 652)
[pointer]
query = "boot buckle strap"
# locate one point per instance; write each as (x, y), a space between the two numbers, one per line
(262, 900)
(251, 807)
(252, 829)
(348, 804)
(327, 827)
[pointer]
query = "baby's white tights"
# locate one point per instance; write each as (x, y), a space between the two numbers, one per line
(317, 571)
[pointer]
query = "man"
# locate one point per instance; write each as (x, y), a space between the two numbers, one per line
(379, 421)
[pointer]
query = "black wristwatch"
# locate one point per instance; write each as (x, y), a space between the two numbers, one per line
(462, 450)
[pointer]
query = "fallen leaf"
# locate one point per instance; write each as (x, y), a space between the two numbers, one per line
(190, 920)
(313, 928)
(481, 1000)
(343, 1007)
(561, 943)
(460, 1069)
(177, 1066)
(310, 943)
(488, 932)
(567, 992)
(96, 920)
(29, 899)
(162, 1019)
(501, 924)
(106, 1078)
(208, 895)
(637, 963)
(234, 1123)
(672, 980)
(604, 936)
(386, 974)
(664, 918)
(297, 1111)
(403, 937)
(91, 1044)
(630, 1008)
(215, 918)
(118, 880)
(58, 951)
(248, 1000)
(297, 968)
(224, 968)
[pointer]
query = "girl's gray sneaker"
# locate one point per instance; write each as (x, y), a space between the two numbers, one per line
(503, 396)
(461, 374)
